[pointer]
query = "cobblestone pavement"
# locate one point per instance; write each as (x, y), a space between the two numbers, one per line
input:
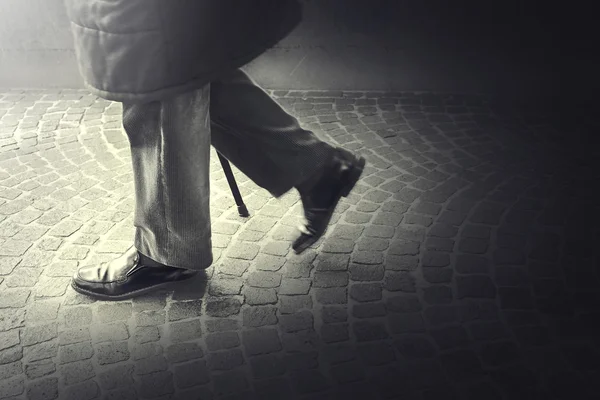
(463, 266)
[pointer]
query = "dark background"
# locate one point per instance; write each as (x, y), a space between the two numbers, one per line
(527, 51)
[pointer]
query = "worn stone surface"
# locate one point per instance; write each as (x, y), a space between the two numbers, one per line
(462, 265)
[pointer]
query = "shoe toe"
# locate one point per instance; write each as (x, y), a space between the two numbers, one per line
(88, 274)
(303, 242)
(88, 278)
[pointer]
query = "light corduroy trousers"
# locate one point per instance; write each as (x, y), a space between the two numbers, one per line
(170, 146)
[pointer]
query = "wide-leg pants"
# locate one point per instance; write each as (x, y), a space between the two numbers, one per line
(170, 146)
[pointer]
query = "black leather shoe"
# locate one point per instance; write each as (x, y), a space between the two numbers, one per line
(322, 193)
(126, 277)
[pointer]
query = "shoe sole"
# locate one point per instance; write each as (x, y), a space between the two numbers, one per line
(353, 179)
(129, 295)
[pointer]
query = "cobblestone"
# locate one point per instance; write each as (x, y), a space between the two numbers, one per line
(225, 360)
(46, 388)
(332, 296)
(437, 275)
(401, 281)
(267, 366)
(255, 297)
(475, 286)
(301, 341)
(438, 294)
(295, 286)
(181, 352)
(264, 279)
(146, 334)
(259, 316)
(261, 341)
(223, 340)
(406, 323)
(75, 352)
(439, 315)
(360, 272)
(185, 330)
(223, 307)
(77, 316)
(77, 372)
(332, 314)
(471, 264)
(38, 334)
(369, 331)
(184, 310)
(39, 369)
(296, 322)
(449, 242)
(9, 339)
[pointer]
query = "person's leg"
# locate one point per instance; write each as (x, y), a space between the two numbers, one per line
(170, 149)
(268, 145)
(260, 138)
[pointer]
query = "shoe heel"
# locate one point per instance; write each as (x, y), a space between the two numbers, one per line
(355, 174)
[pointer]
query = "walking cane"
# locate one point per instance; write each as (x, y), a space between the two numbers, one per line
(242, 210)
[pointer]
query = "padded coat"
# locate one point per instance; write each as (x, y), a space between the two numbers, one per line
(145, 50)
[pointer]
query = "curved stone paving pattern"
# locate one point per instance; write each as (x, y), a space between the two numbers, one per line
(463, 265)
